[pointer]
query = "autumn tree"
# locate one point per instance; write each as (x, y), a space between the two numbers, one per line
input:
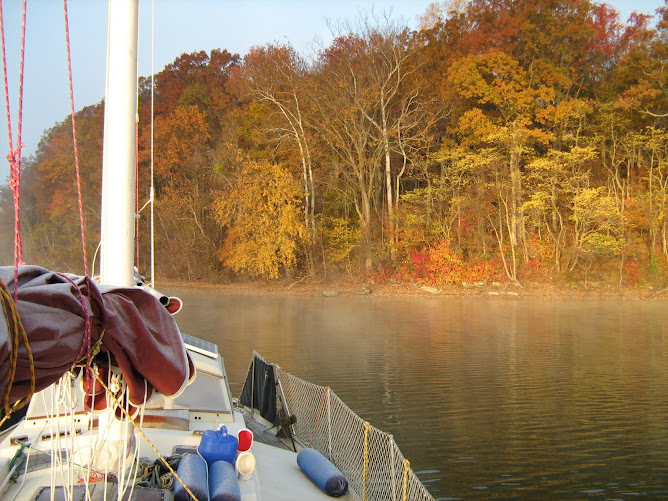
(199, 79)
(555, 179)
(50, 213)
(643, 70)
(374, 123)
(507, 108)
(402, 115)
(655, 149)
(341, 99)
(277, 75)
(386, 59)
(183, 175)
(192, 102)
(501, 131)
(598, 226)
(261, 215)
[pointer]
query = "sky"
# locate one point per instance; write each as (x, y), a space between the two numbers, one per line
(181, 26)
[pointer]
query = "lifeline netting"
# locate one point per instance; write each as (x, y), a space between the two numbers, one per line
(368, 457)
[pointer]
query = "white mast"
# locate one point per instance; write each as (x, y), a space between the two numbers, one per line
(118, 157)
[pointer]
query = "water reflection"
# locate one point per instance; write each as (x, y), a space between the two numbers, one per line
(488, 399)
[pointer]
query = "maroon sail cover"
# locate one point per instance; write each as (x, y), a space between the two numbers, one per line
(140, 335)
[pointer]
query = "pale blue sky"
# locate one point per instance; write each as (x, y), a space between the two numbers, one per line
(181, 27)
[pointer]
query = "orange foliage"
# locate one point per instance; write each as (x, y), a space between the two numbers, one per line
(440, 265)
(177, 137)
(542, 108)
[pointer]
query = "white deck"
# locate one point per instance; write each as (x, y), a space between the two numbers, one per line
(203, 406)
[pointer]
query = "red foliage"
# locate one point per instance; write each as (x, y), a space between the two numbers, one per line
(540, 255)
(382, 276)
(419, 260)
(534, 270)
(441, 265)
(445, 266)
(631, 273)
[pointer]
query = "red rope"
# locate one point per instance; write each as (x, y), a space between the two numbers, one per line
(323, 400)
(86, 344)
(74, 139)
(14, 155)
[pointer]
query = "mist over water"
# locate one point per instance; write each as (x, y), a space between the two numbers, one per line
(487, 399)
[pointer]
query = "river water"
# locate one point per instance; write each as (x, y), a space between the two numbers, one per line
(488, 399)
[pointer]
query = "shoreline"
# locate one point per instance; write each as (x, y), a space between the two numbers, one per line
(343, 288)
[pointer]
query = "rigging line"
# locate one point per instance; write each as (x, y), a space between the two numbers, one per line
(14, 155)
(27, 462)
(323, 400)
(4, 67)
(151, 199)
(74, 140)
(152, 192)
(14, 158)
(137, 210)
(143, 207)
(19, 247)
(95, 254)
(136, 241)
(143, 435)
(404, 484)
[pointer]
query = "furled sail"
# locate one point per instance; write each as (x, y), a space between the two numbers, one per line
(129, 324)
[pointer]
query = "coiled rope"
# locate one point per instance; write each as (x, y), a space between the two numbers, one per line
(156, 475)
(15, 331)
(18, 461)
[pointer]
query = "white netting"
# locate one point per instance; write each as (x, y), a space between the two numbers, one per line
(369, 458)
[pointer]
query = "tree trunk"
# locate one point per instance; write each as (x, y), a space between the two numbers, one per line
(516, 221)
(390, 197)
(366, 232)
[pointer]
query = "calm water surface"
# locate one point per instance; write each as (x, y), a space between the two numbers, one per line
(488, 399)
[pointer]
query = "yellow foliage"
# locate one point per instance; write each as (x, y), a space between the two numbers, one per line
(262, 213)
(341, 237)
(507, 101)
(475, 123)
(598, 222)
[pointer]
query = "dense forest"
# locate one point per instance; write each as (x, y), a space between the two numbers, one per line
(503, 140)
